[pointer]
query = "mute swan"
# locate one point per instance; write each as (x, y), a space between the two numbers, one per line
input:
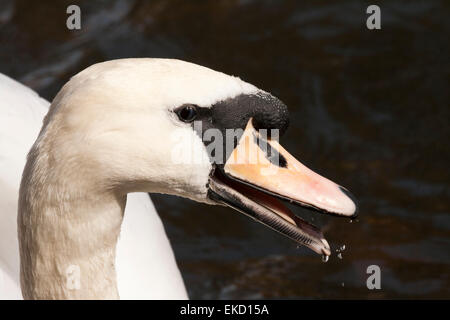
(124, 126)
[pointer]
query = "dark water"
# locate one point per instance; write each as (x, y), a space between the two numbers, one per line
(369, 109)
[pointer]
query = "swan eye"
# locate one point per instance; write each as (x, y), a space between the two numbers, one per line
(187, 113)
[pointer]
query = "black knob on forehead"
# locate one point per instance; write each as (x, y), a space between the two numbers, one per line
(270, 113)
(267, 112)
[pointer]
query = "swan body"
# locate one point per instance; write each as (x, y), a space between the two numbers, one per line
(146, 268)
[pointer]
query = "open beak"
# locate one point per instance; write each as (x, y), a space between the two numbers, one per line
(260, 171)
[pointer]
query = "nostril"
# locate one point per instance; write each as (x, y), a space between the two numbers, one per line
(270, 153)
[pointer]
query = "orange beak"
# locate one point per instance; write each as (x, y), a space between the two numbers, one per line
(259, 171)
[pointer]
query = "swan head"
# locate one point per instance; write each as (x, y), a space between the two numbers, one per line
(168, 126)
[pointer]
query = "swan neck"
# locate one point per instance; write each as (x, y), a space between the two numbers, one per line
(56, 262)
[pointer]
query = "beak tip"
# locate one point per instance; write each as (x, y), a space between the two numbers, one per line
(353, 199)
(326, 250)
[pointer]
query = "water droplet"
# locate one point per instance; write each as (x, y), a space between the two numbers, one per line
(343, 247)
(339, 255)
(325, 258)
(343, 284)
(351, 221)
